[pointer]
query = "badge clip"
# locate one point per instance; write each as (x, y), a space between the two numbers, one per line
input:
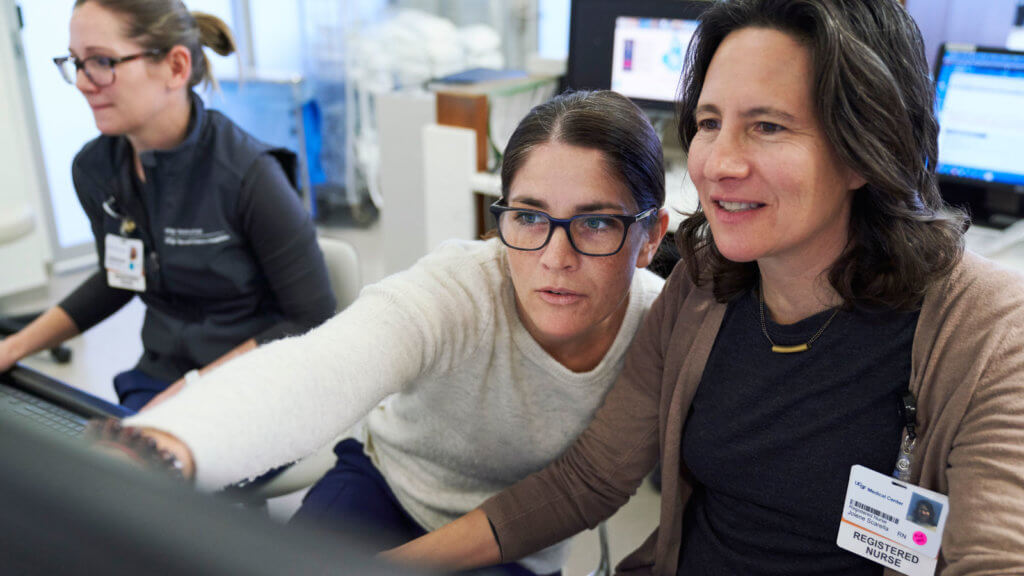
(908, 409)
(127, 224)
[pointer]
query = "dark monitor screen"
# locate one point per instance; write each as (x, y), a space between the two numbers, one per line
(70, 510)
(979, 104)
(636, 47)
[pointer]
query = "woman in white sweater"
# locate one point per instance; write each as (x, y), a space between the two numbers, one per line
(474, 368)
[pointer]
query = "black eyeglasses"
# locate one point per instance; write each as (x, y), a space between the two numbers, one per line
(98, 69)
(589, 234)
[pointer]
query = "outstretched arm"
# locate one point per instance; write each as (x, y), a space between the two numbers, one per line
(286, 399)
(464, 544)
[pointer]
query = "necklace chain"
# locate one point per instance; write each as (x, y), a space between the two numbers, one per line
(789, 349)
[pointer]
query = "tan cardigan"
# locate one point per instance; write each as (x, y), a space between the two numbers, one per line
(967, 373)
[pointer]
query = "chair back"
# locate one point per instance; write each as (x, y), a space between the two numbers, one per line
(16, 221)
(346, 281)
(342, 269)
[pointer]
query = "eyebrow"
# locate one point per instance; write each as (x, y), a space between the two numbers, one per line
(579, 208)
(750, 112)
(89, 50)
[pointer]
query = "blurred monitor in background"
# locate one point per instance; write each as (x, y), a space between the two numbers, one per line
(979, 103)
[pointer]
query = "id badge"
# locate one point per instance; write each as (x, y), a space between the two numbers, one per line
(895, 524)
(123, 261)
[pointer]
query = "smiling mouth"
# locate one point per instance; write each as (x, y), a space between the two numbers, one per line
(738, 206)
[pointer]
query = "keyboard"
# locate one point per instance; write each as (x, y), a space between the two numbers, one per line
(41, 412)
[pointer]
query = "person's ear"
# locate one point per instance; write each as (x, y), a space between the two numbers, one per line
(854, 181)
(179, 60)
(654, 236)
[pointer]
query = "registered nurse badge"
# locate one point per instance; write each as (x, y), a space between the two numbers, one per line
(893, 523)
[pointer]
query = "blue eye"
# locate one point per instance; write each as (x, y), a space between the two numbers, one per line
(596, 223)
(707, 124)
(595, 226)
(528, 218)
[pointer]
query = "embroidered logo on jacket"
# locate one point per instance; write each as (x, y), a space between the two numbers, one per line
(193, 237)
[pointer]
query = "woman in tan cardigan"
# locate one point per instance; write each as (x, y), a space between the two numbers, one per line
(823, 278)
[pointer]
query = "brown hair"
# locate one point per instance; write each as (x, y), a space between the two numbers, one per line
(875, 102)
(600, 120)
(163, 24)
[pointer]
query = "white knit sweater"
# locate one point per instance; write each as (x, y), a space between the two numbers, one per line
(471, 403)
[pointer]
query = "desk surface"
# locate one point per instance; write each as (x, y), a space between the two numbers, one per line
(979, 239)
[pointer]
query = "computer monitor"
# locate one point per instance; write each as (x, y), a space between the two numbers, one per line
(636, 47)
(68, 509)
(979, 103)
(649, 56)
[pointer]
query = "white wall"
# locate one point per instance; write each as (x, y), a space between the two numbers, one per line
(277, 48)
(553, 29)
(981, 22)
(64, 121)
(22, 260)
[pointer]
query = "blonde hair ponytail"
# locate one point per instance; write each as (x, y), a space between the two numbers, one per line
(215, 35)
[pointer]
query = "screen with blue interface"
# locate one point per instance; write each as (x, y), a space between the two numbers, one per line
(979, 103)
(649, 56)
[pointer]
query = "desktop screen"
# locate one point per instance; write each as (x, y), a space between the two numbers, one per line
(648, 56)
(636, 47)
(979, 103)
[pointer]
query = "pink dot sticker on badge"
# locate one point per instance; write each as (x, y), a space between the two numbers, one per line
(920, 538)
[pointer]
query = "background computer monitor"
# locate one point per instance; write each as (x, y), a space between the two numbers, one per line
(979, 103)
(636, 47)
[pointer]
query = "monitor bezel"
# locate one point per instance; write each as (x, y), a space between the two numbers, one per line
(595, 71)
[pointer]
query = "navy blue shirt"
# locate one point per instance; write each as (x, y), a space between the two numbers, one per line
(771, 437)
(231, 254)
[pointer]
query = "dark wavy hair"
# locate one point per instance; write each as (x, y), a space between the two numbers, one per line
(875, 102)
(600, 120)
